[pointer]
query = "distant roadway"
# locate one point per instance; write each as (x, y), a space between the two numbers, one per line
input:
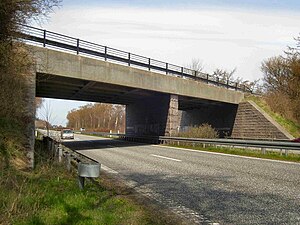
(208, 188)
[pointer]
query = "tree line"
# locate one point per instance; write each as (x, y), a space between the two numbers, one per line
(225, 76)
(282, 82)
(98, 117)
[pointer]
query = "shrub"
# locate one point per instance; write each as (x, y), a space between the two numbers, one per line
(11, 142)
(202, 131)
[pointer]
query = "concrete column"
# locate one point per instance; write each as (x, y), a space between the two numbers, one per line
(172, 119)
(30, 118)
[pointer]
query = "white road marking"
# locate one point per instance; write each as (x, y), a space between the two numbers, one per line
(163, 157)
(229, 155)
(111, 146)
(109, 170)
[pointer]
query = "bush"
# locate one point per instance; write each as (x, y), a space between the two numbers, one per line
(202, 131)
(11, 142)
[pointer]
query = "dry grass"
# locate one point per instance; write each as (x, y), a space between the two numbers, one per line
(202, 131)
(290, 125)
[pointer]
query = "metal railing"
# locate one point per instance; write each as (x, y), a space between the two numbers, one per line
(81, 47)
(56, 151)
(259, 144)
(281, 145)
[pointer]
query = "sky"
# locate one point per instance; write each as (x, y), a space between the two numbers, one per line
(224, 34)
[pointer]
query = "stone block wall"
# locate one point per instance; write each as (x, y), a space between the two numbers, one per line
(30, 118)
(252, 122)
(172, 118)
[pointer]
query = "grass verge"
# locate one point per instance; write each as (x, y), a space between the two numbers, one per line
(292, 127)
(244, 152)
(50, 195)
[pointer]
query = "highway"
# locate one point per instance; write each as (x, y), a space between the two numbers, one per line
(208, 188)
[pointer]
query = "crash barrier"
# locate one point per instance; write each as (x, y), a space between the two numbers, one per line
(56, 151)
(264, 145)
(282, 146)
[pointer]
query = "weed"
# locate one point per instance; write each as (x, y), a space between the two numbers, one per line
(202, 131)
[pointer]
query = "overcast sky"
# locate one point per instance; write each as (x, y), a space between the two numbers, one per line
(224, 34)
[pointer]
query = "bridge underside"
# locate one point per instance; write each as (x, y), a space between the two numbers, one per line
(147, 112)
(52, 86)
(58, 87)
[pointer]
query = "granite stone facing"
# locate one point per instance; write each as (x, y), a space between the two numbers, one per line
(252, 123)
(173, 118)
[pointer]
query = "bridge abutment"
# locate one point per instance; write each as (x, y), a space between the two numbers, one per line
(220, 117)
(30, 118)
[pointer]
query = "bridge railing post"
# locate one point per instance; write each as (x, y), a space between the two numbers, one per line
(166, 68)
(149, 64)
(128, 58)
(44, 41)
(227, 83)
(105, 53)
(77, 47)
(207, 78)
(182, 71)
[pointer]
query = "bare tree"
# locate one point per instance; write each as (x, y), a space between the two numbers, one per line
(196, 64)
(282, 80)
(47, 115)
(224, 75)
(99, 117)
(253, 86)
(38, 103)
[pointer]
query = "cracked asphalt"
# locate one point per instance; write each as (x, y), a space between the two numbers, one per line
(204, 187)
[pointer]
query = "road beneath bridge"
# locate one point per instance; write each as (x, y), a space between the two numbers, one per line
(203, 186)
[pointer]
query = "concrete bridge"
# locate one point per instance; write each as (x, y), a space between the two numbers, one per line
(156, 104)
(160, 98)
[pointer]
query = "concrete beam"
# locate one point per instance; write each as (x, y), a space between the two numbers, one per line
(73, 66)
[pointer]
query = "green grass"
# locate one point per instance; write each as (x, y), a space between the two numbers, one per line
(292, 127)
(244, 152)
(50, 195)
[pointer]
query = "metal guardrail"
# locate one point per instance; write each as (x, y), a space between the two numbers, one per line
(263, 145)
(241, 143)
(86, 166)
(103, 134)
(75, 45)
(57, 149)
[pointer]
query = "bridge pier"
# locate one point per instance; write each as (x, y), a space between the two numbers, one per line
(155, 115)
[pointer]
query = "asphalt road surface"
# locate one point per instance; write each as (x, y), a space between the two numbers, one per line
(204, 187)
